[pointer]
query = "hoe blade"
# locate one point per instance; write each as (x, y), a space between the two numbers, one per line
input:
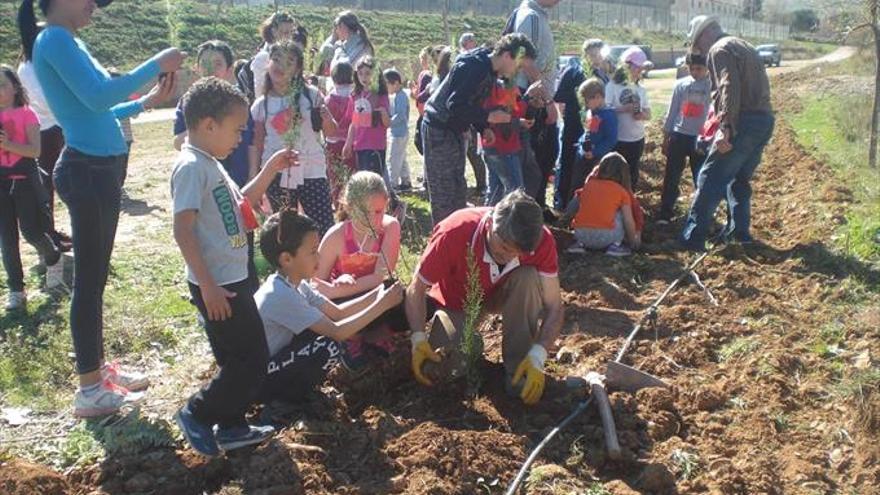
(627, 378)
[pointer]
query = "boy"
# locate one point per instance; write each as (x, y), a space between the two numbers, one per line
(687, 114)
(600, 131)
(211, 218)
(215, 58)
(303, 329)
(398, 132)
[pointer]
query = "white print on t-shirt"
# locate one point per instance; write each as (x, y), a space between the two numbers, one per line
(363, 113)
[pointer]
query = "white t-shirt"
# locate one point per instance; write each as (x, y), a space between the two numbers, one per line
(617, 95)
(260, 66)
(36, 99)
(286, 310)
(308, 144)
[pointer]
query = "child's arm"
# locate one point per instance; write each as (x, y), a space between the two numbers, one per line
(570, 211)
(629, 225)
(328, 123)
(214, 296)
(645, 105)
(178, 141)
(391, 249)
(350, 325)
(328, 251)
(674, 109)
(349, 142)
(30, 149)
(281, 160)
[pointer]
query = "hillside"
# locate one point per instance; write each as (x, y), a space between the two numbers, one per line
(126, 33)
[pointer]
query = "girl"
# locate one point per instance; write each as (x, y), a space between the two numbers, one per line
(277, 28)
(629, 99)
(338, 102)
(423, 80)
(349, 41)
(358, 254)
(370, 119)
(605, 211)
(277, 125)
(89, 175)
(23, 201)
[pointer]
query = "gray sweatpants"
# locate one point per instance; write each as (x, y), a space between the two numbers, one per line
(445, 152)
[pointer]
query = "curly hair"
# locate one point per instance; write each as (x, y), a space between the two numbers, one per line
(210, 98)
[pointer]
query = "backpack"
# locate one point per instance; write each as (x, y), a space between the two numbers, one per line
(245, 79)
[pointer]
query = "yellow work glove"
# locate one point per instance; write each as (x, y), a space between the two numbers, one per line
(421, 351)
(532, 370)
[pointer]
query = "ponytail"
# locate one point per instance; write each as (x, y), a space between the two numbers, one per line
(27, 28)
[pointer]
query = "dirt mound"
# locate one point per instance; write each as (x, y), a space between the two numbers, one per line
(22, 478)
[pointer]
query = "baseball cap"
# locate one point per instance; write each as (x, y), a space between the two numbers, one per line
(697, 25)
(635, 56)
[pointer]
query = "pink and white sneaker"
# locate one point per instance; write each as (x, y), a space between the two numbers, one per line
(129, 380)
(108, 399)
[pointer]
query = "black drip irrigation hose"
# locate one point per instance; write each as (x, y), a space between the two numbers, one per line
(649, 313)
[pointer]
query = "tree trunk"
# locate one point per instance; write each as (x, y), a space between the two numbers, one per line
(875, 111)
(446, 21)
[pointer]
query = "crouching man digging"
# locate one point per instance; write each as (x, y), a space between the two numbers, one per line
(516, 259)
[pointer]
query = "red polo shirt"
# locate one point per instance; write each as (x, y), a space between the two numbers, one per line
(444, 263)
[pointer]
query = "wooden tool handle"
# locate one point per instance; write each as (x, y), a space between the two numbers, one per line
(604, 405)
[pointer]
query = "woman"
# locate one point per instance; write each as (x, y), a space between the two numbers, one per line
(349, 41)
(88, 177)
(278, 27)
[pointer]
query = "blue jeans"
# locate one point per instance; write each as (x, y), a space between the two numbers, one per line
(729, 174)
(505, 174)
(91, 187)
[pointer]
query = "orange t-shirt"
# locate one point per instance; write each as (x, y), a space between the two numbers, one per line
(600, 200)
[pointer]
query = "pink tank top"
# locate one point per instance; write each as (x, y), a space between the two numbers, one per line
(354, 260)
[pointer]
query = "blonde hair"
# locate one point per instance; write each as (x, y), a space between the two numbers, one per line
(360, 186)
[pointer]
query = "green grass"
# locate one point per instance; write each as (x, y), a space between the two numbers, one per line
(736, 348)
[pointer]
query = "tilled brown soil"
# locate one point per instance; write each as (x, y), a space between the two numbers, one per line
(755, 416)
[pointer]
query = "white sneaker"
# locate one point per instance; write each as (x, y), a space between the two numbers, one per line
(129, 380)
(576, 248)
(108, 399)
(55, 273)
(16, 300)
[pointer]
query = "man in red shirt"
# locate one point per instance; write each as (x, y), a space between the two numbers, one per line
(518, 268)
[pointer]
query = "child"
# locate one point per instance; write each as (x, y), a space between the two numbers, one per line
(277, 125)
(600, 131)
(501, 142)
(338, 102)
(630, 100)
(302, 327)
(690, 104)
(211, 218)
(398, 133)
(23, 200)
(360, 253)
(603, 210)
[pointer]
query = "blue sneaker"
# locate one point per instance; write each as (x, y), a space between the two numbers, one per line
(200, 437)
(236, 438)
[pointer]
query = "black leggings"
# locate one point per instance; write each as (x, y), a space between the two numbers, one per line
(632, 153)
(51, 144)
(23, 205)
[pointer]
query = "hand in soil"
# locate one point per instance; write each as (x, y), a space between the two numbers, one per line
(422, 352)
(533, 388)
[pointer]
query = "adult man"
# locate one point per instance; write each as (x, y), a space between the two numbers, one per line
(569, 106)
(598, 64)
(455, 106)
(741, 99)
(532, 18)
(515, 257)
(466, 43)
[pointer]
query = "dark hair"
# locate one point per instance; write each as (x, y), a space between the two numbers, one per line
(218, 46)
(621, 75)
(368, 61)
(284, 232)
(27, 25)
(351, 21)
(272, 22)
(695, 59)
(613, 167)
(210, 98)
(21, 98)
(392, 76)
(517, 45)
(301, 36)
(342, 73)
(291, 47)
(518, 219)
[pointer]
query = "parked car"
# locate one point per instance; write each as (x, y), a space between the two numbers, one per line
(770, 54)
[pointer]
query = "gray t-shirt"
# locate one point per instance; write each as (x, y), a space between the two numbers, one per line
(533, 20)
(287, 310)
(199, 182)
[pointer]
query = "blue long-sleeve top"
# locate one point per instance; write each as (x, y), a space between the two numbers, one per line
(601, 132)
(399, 115)
(84, 98)
(458, 103)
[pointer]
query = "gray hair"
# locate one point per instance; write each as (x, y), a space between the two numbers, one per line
(518, 219)
(592, 43)
(465, 38)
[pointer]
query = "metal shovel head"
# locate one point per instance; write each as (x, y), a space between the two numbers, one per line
(629, 379)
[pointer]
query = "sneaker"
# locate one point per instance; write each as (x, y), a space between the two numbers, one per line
(200, 437)
(353, 356)
(236, 438)
(16, 300)
(55, 273)
(618, 250)
(576, 248)
(108, 399)
(130, 380)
